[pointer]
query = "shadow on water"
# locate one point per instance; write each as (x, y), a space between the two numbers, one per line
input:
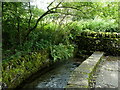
(55, 76)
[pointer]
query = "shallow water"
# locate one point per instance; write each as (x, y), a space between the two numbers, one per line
(55, 78)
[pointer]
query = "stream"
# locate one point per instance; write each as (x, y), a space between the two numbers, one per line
(56, 77)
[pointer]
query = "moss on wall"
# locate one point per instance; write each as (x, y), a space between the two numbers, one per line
(16, 70)
(99, 41)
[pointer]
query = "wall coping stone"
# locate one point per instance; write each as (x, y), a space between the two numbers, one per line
(80, 77)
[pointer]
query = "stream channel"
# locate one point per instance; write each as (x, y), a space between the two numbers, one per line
(56, 77)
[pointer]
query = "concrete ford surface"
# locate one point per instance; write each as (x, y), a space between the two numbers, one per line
(80, 77)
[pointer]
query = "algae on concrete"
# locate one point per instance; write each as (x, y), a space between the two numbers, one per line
(80, 77)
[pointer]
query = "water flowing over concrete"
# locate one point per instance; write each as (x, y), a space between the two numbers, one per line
(81, 76)
(107, 73)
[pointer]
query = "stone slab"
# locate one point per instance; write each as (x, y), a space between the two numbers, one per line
(81, 75)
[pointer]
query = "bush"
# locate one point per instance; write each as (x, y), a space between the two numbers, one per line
(61, 51)
(95, 25)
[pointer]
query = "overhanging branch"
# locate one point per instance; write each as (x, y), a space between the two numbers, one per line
(50, 4)
(46, 13)
(54, 10)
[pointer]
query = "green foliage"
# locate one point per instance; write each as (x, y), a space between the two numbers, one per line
(53, 35)
(62, 51)
(98, 25)
(91, 10)
(16, 70)
(101, 25)
(47, 35)
(16, 23)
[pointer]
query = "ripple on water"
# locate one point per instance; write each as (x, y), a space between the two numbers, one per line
(56, 78)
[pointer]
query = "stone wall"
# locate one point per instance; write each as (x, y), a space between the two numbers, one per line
(16, 70)
(99, 41)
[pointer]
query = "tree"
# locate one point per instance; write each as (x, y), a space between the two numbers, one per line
(17, 19)
(20, 19)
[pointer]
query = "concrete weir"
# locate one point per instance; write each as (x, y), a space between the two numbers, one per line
(80, 77)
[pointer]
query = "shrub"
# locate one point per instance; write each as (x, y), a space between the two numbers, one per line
(61, 51)
(95, 25)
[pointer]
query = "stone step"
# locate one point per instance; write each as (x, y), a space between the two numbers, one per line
(80, 77)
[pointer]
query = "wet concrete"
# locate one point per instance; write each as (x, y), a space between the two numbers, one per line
(55, 78)
(81, 75)
(106, 75)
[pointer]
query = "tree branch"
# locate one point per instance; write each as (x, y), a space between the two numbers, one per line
(66, 13)
(36, 24)
(46, 13)
(30, 17)
(50, 4)
(73, 8)
(50, 11)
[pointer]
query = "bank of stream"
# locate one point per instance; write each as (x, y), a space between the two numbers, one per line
(57, 77)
